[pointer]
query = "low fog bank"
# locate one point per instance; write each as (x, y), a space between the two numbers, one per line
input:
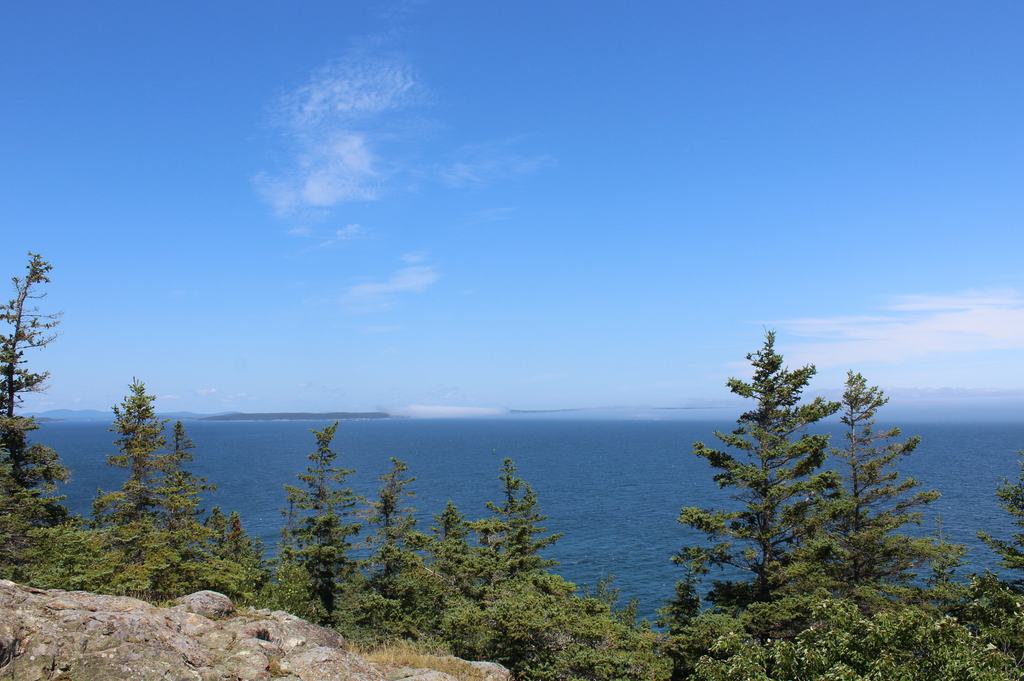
(590, 413)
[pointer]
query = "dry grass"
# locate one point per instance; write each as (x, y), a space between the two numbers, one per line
(397, 654)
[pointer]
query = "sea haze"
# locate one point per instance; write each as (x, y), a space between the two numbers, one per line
(614, 487)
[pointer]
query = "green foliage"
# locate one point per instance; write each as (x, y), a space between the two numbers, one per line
(777, 482)
(856, 552)
(843, 644)
(65, 556)
(241, 553)
(944, 590)
(316, 542)
(506, 545)
(29, 473)
(29, 328)
(496, 600)
(394, 523)
(535, 625)
(399, 599)
(994, 611)
(1011, 499)
(451, 557)
(154, 542)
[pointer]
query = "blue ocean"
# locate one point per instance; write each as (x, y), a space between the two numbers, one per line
(612, 486)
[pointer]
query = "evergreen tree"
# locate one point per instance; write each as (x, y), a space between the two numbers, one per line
(136, 551)
(29, 472)
(1011, 499)
(400, 598)
(945, 593)
(233, 546)
(507, 546)
(178, 498)
(500, 603)
(777, 485)
(449, 550)
(155, 544)
(858, 554)
(314, 561)
(395, 522)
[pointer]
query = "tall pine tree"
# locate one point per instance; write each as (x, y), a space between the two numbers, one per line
(508, 541)
(314, 563)
(858, 552)
(155, 544)
(775, 469)
(29, 472)
(400, 597)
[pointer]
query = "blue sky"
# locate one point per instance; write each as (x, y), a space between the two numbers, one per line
(262, 206)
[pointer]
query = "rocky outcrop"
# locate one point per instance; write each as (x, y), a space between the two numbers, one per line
(88, 637)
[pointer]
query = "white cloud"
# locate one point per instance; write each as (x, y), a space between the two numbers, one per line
(374, 295)
(207, 391)
(170, 397)
(487, 163)
(332, 123)
(414, 257)
(353, 231)
(914, 326)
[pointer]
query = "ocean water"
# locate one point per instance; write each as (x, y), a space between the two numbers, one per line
(613, 486)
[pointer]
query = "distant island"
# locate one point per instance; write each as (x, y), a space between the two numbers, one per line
(300, 416)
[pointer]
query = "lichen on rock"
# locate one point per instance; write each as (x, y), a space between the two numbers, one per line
(64, 635)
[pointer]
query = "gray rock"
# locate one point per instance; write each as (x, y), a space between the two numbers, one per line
(491, 671)
(208, 604)
(89, 637)
(425, 675)
(331, 664)
(51, 635)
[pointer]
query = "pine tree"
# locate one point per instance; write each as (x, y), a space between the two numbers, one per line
(858, 554)
(242, 555)
(136, 550)
(777, 484)
(29, 472)
(316, 545)
(507, 546)
(155, 543)
(449, 550)
(400, 599)
(1011, 499)
(395, 522)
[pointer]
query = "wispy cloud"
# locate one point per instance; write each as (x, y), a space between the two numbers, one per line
(493, 214)
(913, 326)
(332, 123)
(377, 295)
(414, 257)
(350, 232)
(487, 163)
(207, 391)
